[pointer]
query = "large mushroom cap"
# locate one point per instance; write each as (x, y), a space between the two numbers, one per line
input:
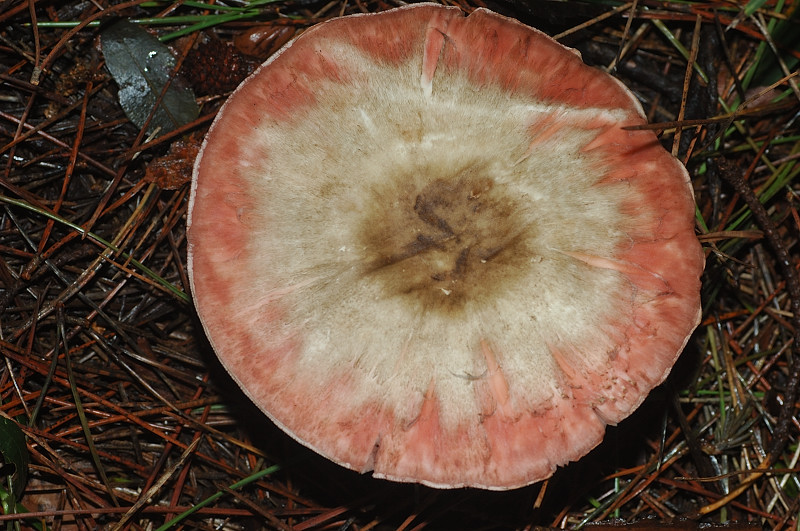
(424, 245)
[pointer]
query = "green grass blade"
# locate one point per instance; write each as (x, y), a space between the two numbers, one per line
(239, 484)
(180, 294)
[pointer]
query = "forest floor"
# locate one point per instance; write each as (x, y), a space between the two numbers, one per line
(117, 414)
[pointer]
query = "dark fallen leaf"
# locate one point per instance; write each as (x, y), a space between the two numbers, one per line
(141, 66)
(14, 451)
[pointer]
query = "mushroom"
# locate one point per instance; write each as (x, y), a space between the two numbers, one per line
(428, 245)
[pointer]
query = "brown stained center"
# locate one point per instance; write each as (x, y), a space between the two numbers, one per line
(448, 242)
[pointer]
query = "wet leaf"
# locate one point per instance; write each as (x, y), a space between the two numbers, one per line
(13, 451)
(141, 66)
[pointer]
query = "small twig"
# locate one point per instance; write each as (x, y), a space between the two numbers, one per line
(35, 28)
(101, 471)
(73, 157)
(676, 141)
(145, 497)
(59, 143)
(624, 43)
(762, 26)
(593, 21)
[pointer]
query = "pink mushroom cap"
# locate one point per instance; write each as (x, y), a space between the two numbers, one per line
(425, 245)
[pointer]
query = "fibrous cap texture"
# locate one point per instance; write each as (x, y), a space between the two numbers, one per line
(425, 245)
